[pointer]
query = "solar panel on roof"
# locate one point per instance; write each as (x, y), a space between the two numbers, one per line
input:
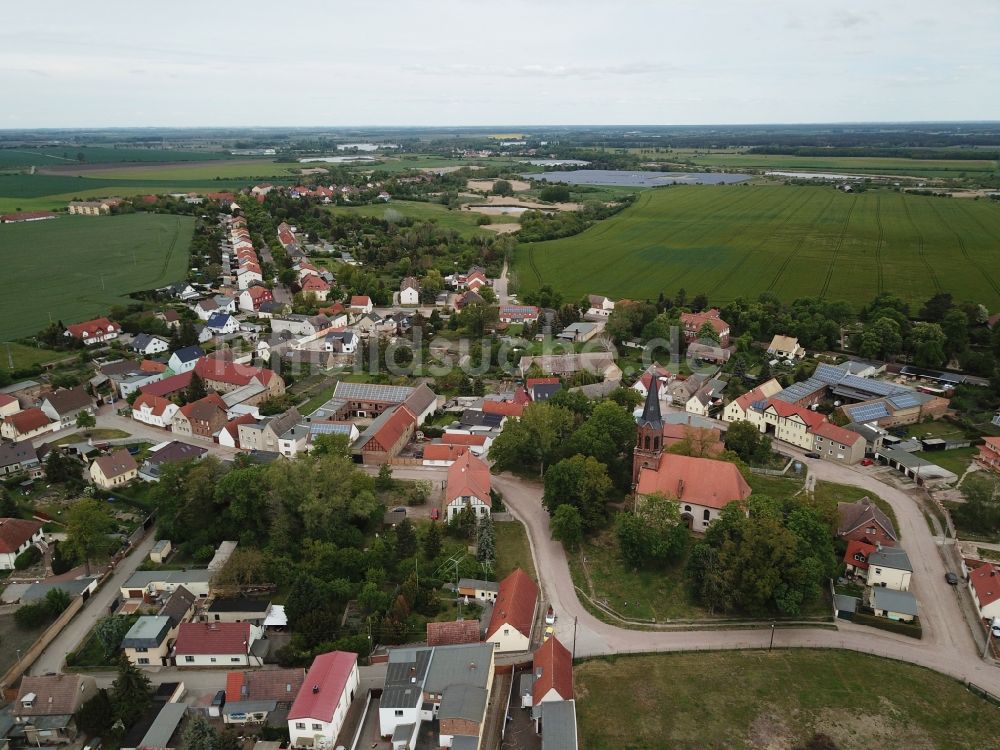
(329, 429)
(371, 392)
(905, 400)
(868, 412)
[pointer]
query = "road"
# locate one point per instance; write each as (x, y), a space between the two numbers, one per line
(500, 286)
(96, 607)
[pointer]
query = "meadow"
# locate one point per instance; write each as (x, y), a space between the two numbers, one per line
(463, 222)
(731, 241)
(211, 170)
(75, 268)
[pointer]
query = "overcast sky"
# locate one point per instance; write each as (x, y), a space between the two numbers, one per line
(469, 62)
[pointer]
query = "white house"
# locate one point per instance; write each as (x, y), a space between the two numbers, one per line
(219, 644)
(222, 323)
(361, 304)
(184, 360)
(889, 567)
(738, 409)
(247, 277)
(984, 582)
(600, 306)
(513, 613)
(149, 345)
(16, 535)
(786, 347)
(468, 485)
(409, 291)
(154, 410)
(319, 710)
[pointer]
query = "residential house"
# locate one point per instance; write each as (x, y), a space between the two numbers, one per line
(206, 308)
(45, 707)
(114, 470)
(340, 342)
(386, 436)
(837, 443)
(472, 588)
(889, 567)
(692, 323)
(8, 405)
(316, 286)
(148, 641)
(787, 422)
(542, 389)
(515, 314)
(706, 399)
(739, 409)
(900, 606)
(437, 454)
(361, 304)
(552, 670)
(27, 424)
(238, 609)
(204, 644)
(229, 436)
(471, 297)
(578, 333)
(167, 386)
(422, 403)
(989, 453)
(984, 583)
(261, 697)
(16, 535)
(600, 306)
(513, 613)
(64, 405)
(92, 208)
(468, 485)
(251, 299)
(453, 632)
(864, 521)
(265, 434)
(173, 452)
(301, 325)
(320, 708)
(149, 584)
(225, 376)
(95, 331)
(154, 410)
(149, 345)
(184, 360)
(221, 324)
(202, 418)
(20, 457)
(409, 291)
(856, 557)
(785, 347)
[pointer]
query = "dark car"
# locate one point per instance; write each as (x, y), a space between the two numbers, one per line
(812, 454)
(951, 578)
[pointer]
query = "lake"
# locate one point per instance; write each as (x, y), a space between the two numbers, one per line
(556, 162)
(624, 178)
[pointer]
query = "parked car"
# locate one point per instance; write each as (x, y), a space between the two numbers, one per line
(550, 616)
(435, 514)
(951, 578)
(812, 454)
(867, 461)
(548, 632)
(994, 628)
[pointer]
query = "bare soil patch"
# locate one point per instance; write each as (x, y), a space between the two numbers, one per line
(519, 186)
(502, 228)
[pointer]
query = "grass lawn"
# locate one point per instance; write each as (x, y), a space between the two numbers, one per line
(14, 638)
(731, 700)
(75, 267)
(95, 434)
(56, 156)
(513, 550)
(28, 356)
(938, 428)
(730, 241)
(956, 460)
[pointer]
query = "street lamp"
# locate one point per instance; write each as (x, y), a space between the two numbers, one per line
(771, 644)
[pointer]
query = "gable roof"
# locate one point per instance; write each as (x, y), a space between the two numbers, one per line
(704, 481)
(157, 404)
(388, 432)
(323, 686)
(515, 604)
(986, 581)
(443, 452)
(450, 633)
(226, 371)
(696, 320)
(20, 452)
(264, 685)
(117, 464)
(16, 531)
(53, 695)
(69, 400)
(553, 670)
(783, 343)
(838, 434)
(890, 557)
(175, 450)
(177, 604)
(787, 410)
(421, 399)
(360, 300)
(204, 408)
(28, 420)
(92, 328)
(468, 477)
(218, 320)
(212, 638)
(188, 354)
(864, 512)
(857, 553)
(503, 408)
(168, 385)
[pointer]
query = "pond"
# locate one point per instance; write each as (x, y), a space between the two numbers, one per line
(626, 178)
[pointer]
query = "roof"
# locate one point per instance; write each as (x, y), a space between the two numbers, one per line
(212, 638)
(704, 481)
(462, 438)
(324, 684)
(164, 725)
(559, 725)
(463, 702)
(175, 450)
(515, 604)
(503, 408)
(890, 557)
(838, 434)
(147, 632)
(54, 695)
(468, 477)
(463, 664)
(188, 353)
(473, 583)
(117, 464)
(143, 578)
(177, 604)
(985, 581)
(168, 385)
(862, 513)
(857, 553)
(225, 371)
(409, 283)
(421, 399)
(265, 685)
(443, 452)
(697, 320)
(388, 428)
(17, 453)
(389, 394)
(518, 310)
(894, 601)
(786, 409)
(28, 420)
(90, 328)
(360, 300)
(69, 400)
(783, 343)
(16, 531)
(553, 670)
(450, 633)
(218, 320)
(239, 604)
(205, 408)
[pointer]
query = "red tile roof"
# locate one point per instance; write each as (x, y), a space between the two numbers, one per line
(337, 307)
(461, 438)
(503, 408)
(117, 464)
(785, 409)
(695, 321)
(28, 420)
(264, 685)
(360, 300)
(330, 673)
(233, 426)
(5, 399)
(27, 216)
(515, 604)
(212, 638)
(704, 481)
(314, 284)
(224, 371)
(157, 404)
(393, 428)
(862, 550)
(838, 434)
(168, 385)
(16, 531)
(553, 669)
(95, 327)
(441, 452)
(468, 477)
(452, 633)
(151, 365)
(204, 408)
(986, 581)
(532, 382)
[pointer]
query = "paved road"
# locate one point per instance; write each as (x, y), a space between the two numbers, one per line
(500, 286)
(96, 607)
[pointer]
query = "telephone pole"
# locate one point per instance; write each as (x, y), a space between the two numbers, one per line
(574, 637)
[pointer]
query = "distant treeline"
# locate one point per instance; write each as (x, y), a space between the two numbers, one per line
(874, 151)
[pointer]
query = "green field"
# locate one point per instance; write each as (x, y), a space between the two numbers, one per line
(460, 221)
(851, 164)
(756, 699)
(51, 156)
(74, 268)
(731, 241)
(24, 357)
(259, 169)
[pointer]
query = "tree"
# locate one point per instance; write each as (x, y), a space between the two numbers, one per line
(196, 389)
(555, 194)
(567, 526)
(955, 326)
(502, 187)
(582, 482)
(384, 480)
(432, 542)
(486, 540)
(95, 717)
(652, 535)
(881, 339)
(62, 469)
(131, 693)
(746, 441)
(198, 734)
(245, 568)
(85, 420)
(935, 308)
(708, 333)
(406, 539)
(533, 440)
(88, 527)
(8, 504)
(927, 341)
(110, 631)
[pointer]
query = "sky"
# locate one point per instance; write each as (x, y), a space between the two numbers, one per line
(468, 62)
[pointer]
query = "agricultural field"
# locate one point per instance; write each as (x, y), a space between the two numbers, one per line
(206, 170)
(76, 267)
(731, 241)
(461, 221)
(14, 356)
(756, 699)
(51, 156)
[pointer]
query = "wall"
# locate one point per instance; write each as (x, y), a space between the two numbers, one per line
(36, 649)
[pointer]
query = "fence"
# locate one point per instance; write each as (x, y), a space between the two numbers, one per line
(986, 695)
(774, 472)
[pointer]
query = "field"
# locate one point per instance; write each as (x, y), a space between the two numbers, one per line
(730, 241)
(73, 268)
(24, 357)
(210, 170)
(513, 550)
(756, 699)
(461, 221)
(56, 155)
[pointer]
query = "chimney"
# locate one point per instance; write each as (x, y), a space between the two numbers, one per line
(472, 665)
(315, 689)
(680, 488)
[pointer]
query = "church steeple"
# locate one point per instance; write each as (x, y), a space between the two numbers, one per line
(651, 410)
(649, 432)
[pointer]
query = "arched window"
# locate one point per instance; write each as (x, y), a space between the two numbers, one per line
(656, 444)
(687, 508)
(707, 515)
(647, 442)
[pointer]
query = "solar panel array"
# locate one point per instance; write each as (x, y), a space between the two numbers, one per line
(906, 400)
(799, 391)
(868, 412)
(835, 376)
(393, 394)
(329, 429)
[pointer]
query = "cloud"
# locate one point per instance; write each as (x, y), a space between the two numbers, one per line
(849, 19)
(548, 71)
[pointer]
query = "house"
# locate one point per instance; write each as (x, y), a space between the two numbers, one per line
(229, 436)
(340, 342)
(513, 613)
(361, 304)
(452, 633)
(153, 583)
(221, 324)
(542, 389)
(251, 299)
(471, 297)
(95, 331)
(320, 708)
(552, 670)
(989, 454)
(693, 322)
(26, 424)
(600, 306)
(173, 452)
(16, 535)
(578, 332)
(224, 376)
(167, 386)
(479, 445)
(409, 291)
(706, 399)
(45, 707)
(238, 609)
(114, 470)
(521, 314)
(386, 436)
(63, 406)
(889, 567)
(422, 403)
(315, 285)
(785, 347)
(93, 208)
(149, 345)
(788, 422)
(300, 325)
(253, 697)
(856, 557)
(19, 457)
(598, 363)
(739, 409)
(148, 641)
(984, 583)
(265, 434)
(468, 485)
(894, 605)
(8, 405)
(184, 360)
(203, 644)
(837, 443)
(154, 410)
(202, 418)
(472, 588)
(864, 521)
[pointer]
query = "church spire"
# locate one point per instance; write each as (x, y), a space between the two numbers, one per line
(651, 410)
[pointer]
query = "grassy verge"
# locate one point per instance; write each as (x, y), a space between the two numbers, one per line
(513, 550)
(956, 460)
(25, 357)
(755, 699)
(95, 434)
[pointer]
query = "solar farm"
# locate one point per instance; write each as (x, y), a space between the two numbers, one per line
(742, 240)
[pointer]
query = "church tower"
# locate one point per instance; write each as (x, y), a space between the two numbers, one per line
(649, 435)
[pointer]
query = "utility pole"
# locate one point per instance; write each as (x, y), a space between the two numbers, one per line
(574, 637)
(989, 632)
(771, 644)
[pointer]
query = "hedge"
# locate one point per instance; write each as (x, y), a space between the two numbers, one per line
(27, 558)
(913, 630)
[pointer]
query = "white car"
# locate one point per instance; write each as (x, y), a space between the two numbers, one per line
(995, 627)
(550, 617)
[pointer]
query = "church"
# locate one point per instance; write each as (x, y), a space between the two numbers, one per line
(701, 486)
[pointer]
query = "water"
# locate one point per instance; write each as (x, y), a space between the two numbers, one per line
(815, 175)
(625, 178)
(335, 159)
(556, 162)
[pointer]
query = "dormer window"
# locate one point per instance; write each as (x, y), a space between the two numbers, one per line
(28, 700)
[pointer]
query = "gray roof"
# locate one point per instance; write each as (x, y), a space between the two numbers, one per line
(844, 603)
(558, 725)
(597, 390)
(164, 725)
(402, 733)
(22, 385)
(405, 665)
(142, 578)
(526, 684)
(464, 742)
(147, 632)
(463, 702)
(473, 583)
(420, 400)
(890, 557)
(160, 545)
(926, 469)
(37, 591)
(18, 453)
(239, 604)
(869, 433)
(894, 601)
(178, 603)
(464, 664)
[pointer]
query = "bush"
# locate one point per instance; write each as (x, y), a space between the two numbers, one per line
(913, 630)
(27, 558)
